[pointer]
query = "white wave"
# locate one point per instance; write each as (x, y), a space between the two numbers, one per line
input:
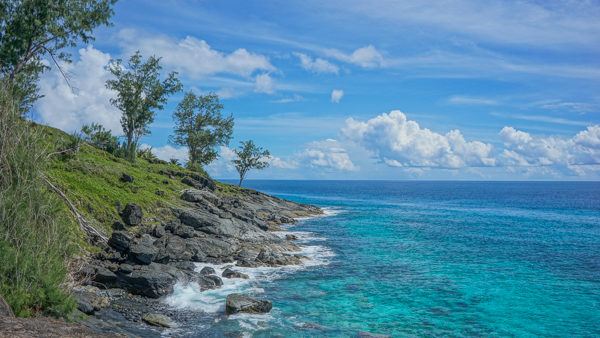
(327, 212)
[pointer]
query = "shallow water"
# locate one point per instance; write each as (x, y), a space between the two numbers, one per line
(429, 259)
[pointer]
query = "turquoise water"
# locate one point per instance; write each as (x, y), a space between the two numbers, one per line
(439, 259)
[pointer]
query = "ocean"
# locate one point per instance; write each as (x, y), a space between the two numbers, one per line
(426, 258)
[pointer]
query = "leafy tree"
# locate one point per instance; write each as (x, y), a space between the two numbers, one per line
(200, 126)
(31, 30)
(250, 156)
(99, 137)
(140, 92)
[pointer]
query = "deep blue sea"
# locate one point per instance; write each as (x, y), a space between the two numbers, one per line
(416, 258)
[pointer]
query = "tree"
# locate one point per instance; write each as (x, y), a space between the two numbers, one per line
(33, 29)
(140, 92)
(200, 126)
(250, 156)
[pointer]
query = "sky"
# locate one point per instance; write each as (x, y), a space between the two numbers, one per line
(440, 90)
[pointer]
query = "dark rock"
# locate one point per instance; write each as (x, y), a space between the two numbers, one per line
(118, 226)
(5, 310)
(209, 282)
(90, 299)
(159, 193)
(85, 307)
(207, 270)
(126, 178)
(104, 277)
(200, 196)
(120, 241)
(132, 214)
(183, 231)
(165, 182)
(173, 249)
(158, 320)
(153, 281)
(228, 273)
(125, 268)
(241, 303)
(159, 231)
(199, 182)
(143, 250)
(291, 237)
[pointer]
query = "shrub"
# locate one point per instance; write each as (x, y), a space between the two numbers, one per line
(35, 230)
(101, 138)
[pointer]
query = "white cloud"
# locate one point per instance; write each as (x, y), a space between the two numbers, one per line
(399, 142)
(167, 152)
(193, 57)
(289, 99)
(327, 154)
(523, 149)
(366, 57)
(278, 162)
(87, 102)
(317, 65)
(264, 84)
(469, 100)
(336, 95)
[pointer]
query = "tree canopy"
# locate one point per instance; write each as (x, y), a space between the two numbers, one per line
(140, 93)
(250, 156)
(201, 126)
(33, 29)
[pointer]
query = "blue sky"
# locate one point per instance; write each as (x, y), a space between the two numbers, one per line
(367, 90)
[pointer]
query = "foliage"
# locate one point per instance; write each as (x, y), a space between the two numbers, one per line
(147, 155)
(200, 126)
(174, 161)
(101, 138)
(35, 230)
(140, 92)
(250, 156)
(33, 29)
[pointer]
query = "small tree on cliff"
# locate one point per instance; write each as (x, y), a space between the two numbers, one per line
(200, 126)
(140, 92)
(250, 156)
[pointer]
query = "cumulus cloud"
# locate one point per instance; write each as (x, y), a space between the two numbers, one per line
(88, 101)
(328, 154)
(317, 65)
(400, 142)
(263, 83)
(336, 95)
(167, 152)
(194, 57)
(366, 57)
(523, 149)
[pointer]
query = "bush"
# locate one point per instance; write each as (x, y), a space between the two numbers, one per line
(101, 138)
(35, 230)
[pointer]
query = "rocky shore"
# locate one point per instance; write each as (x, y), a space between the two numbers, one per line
(123, 284)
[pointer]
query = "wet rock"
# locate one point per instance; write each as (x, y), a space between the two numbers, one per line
(143, 251)
(291, 237)
(120, 241)
(158, 320)
(207, 270)
(126, 178)
(241, 303)
(209, 282)
(228, 273)
(188, 266)
(153, 280)
(132, 214)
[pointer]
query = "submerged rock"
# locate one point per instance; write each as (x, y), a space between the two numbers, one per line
(132, 214)
(158, 320)
(237, 302)
(228, 273)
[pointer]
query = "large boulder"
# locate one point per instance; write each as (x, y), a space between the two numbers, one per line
(237, 302)
(200, 196)
(199, 182)
(153, 280)
(120, 241)
(174, 249)
(142, 250)
(90, 299)
(132, 214)
(207, 270)
(209, 282)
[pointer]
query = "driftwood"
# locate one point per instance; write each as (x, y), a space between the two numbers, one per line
(85, 226)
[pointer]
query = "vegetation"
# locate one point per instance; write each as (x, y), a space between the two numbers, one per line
(201, 127)
(96, 135)
(140, 92)
(35, 230)
(33, 29)
(250, 156)
(37, 235)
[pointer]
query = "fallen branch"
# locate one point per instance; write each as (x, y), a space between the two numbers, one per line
(85, 226)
